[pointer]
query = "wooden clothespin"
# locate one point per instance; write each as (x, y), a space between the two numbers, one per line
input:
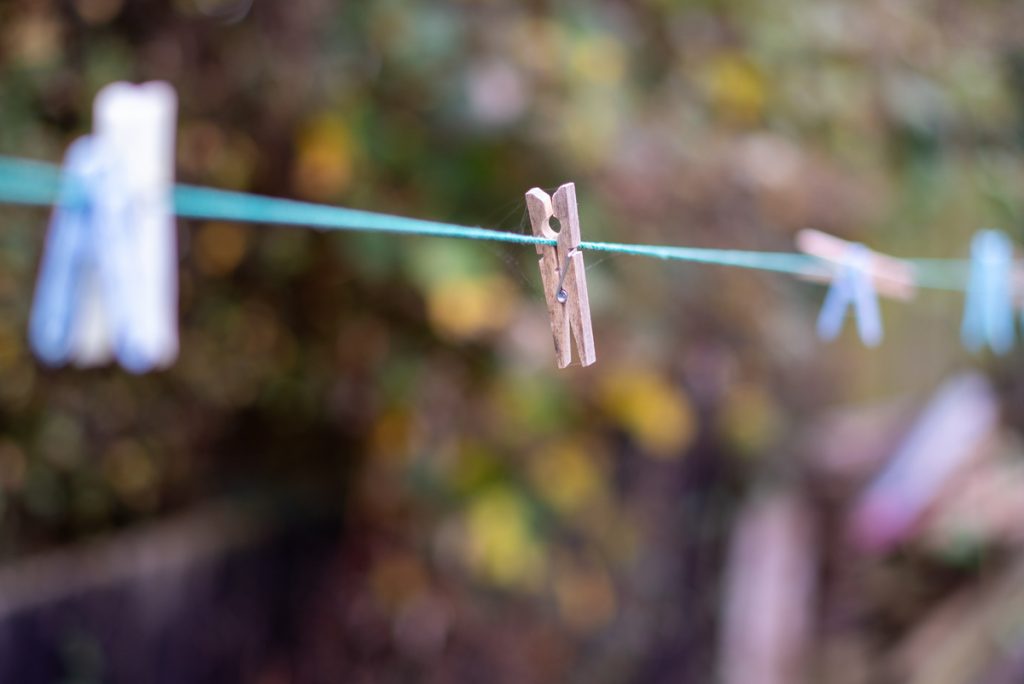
(562, 272)
(892, 277)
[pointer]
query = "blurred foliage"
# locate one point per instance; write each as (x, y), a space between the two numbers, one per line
(550, 520)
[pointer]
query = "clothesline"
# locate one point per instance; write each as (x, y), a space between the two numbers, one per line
(30, 182)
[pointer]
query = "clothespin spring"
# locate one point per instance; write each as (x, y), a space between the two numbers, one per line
(561, 295)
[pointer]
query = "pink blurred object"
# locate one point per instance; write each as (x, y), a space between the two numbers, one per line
(891, 277)
(952, 432)
(972, 635)
(847, 445)
(769, 593)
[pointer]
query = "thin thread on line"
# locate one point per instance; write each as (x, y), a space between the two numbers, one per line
(37, 183)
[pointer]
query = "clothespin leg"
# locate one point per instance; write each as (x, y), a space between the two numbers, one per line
(576, 291)
(61, 290)
(576, 304)
(972, 332)
(1000, 330)
(538, 204)
(865, 302)
(833, 310)
(560, 328)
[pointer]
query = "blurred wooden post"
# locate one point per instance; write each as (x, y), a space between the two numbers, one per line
(769, 593)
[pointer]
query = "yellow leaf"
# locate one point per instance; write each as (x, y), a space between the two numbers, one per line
(737, 88)
(588, 136)
(220, 247)
(323, 166)
(568, 475)
(502, 546)
(466, 307)
(471, 465)
(656, 414)
(598, 58)
(750, 419)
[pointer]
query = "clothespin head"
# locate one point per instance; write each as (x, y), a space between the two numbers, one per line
(136, 124)
(562, 272)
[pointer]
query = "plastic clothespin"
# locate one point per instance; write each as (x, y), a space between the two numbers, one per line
(108, 281)
(562, 272)
(988, 307)
(857, 276)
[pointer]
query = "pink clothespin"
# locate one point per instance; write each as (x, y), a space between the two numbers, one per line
(856, 274)
(563, 273)
(892, 277)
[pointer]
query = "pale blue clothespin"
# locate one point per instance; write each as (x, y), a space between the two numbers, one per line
(857, 276)
(988, 307)
(108, 281)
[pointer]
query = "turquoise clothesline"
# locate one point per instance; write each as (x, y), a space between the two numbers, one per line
(29, 182)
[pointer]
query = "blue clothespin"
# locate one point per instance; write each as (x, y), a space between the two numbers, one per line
(857, 276)
(988, 307)
(108, 281)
